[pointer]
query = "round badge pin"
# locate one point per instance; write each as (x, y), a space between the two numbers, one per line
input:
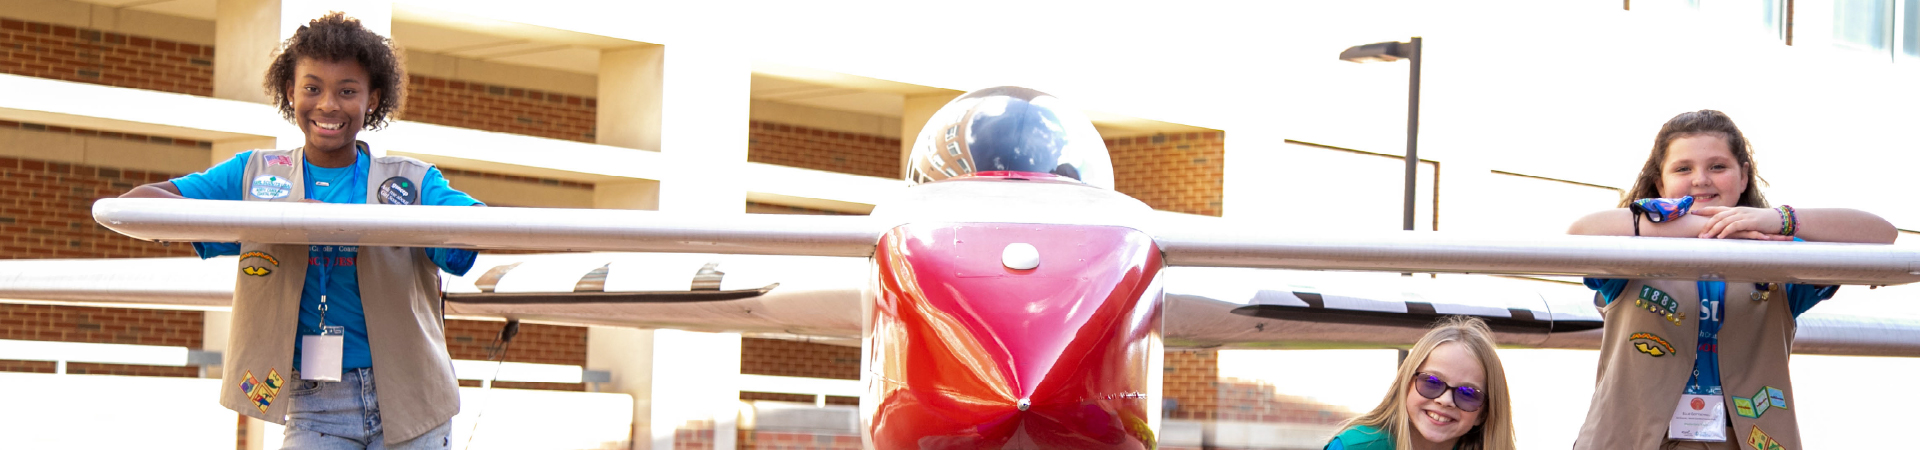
(270, 187)
(399, 191)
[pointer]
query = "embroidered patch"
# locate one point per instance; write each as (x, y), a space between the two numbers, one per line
(1775, 396)
(1760, 441)
(1744, 408)
(1760, 403)
(1658, 302)
(258, 271)
(261, 394)
(262, 255)
(398, 191)
(1650, 344)
(279, 160)
(270, 187)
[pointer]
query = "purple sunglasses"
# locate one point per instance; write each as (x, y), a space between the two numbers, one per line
(1467, 398)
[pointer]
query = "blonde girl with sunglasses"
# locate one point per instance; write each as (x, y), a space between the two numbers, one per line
(1450, 393)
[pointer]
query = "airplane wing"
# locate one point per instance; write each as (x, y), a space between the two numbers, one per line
(817, 299)
(1183, 243)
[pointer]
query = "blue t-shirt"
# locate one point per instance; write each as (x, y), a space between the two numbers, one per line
(333, 264)
(1706, 363)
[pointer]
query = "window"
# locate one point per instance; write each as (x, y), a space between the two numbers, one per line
(1910, 28)
(1863, 24)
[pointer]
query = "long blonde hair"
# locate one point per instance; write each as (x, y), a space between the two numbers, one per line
(1495, 432)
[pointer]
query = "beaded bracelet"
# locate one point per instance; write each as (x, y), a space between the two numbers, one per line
(1788, 223)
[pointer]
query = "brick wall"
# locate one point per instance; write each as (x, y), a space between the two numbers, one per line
(1188, 382)
(92, 56)
(505, 109)
(776, 440)
(785, 358)
(693, 435)
(516, 178)
(817, 149)
(798, 359)
(1180, 172)
(113, 59)
(1258, 401)
(46, 212)
(536, 343)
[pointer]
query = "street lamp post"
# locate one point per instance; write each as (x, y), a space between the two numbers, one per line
(1395, 51)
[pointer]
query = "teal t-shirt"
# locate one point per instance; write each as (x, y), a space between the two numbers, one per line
(1362, 437)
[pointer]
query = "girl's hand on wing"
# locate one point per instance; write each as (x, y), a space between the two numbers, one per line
(1741, 222)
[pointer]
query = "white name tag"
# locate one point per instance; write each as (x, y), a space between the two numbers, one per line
(1699, 418)
(320, 355)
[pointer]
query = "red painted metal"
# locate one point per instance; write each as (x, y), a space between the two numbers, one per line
(955, 341)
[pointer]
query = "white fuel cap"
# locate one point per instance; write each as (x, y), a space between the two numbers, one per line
(1020, 256)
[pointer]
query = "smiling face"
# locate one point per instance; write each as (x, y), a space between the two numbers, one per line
(1702, 166)
(1438, 422)
(330, 102)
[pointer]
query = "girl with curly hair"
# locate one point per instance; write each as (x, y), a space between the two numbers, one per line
(311, 323)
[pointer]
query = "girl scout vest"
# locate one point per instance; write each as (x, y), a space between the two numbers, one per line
(399, 291)
(1647, 355)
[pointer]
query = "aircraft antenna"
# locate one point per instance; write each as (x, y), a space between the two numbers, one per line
(498, 353)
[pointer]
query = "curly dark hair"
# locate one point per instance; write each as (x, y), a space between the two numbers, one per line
(336, 38)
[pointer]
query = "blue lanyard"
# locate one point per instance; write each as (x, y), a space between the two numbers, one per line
(1706, 373)
(329, 259)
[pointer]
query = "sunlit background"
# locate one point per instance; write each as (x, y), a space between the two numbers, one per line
(1532, 114)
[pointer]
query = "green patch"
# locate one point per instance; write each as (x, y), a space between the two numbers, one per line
(1658, 302)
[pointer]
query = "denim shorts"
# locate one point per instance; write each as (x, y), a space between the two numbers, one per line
(346, 415)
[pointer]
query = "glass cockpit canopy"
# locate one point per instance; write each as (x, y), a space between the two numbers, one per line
(1011, 131)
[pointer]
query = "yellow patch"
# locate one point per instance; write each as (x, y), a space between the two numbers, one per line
(1649, 349)
(262, 255)
(1651, 344)
(1760, 441)
(258, 271)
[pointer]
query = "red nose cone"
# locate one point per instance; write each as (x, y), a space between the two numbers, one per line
(968, 353)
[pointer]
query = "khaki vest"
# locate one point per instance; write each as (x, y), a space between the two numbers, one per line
(399, 291)
(1636, 392)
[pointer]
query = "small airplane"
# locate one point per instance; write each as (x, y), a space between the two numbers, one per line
(1011, 299)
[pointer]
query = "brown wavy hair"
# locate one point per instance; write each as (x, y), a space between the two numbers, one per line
(1694, 123)
(338, 38)
(1495, 431)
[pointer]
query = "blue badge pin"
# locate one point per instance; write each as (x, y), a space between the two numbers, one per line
(270, 187)
(399, 191)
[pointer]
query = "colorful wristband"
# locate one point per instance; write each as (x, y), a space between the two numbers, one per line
(1660, 210)
(1788, 223)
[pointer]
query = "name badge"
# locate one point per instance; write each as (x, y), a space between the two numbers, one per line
(1699, 418)
(320, 354)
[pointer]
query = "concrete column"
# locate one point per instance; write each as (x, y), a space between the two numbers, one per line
(675, 377)
(247, 32)
(214, 327)
(704, 110)
(689, 101)
(637, 194)
(913, 116)
(629, 96)
(224, 150)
